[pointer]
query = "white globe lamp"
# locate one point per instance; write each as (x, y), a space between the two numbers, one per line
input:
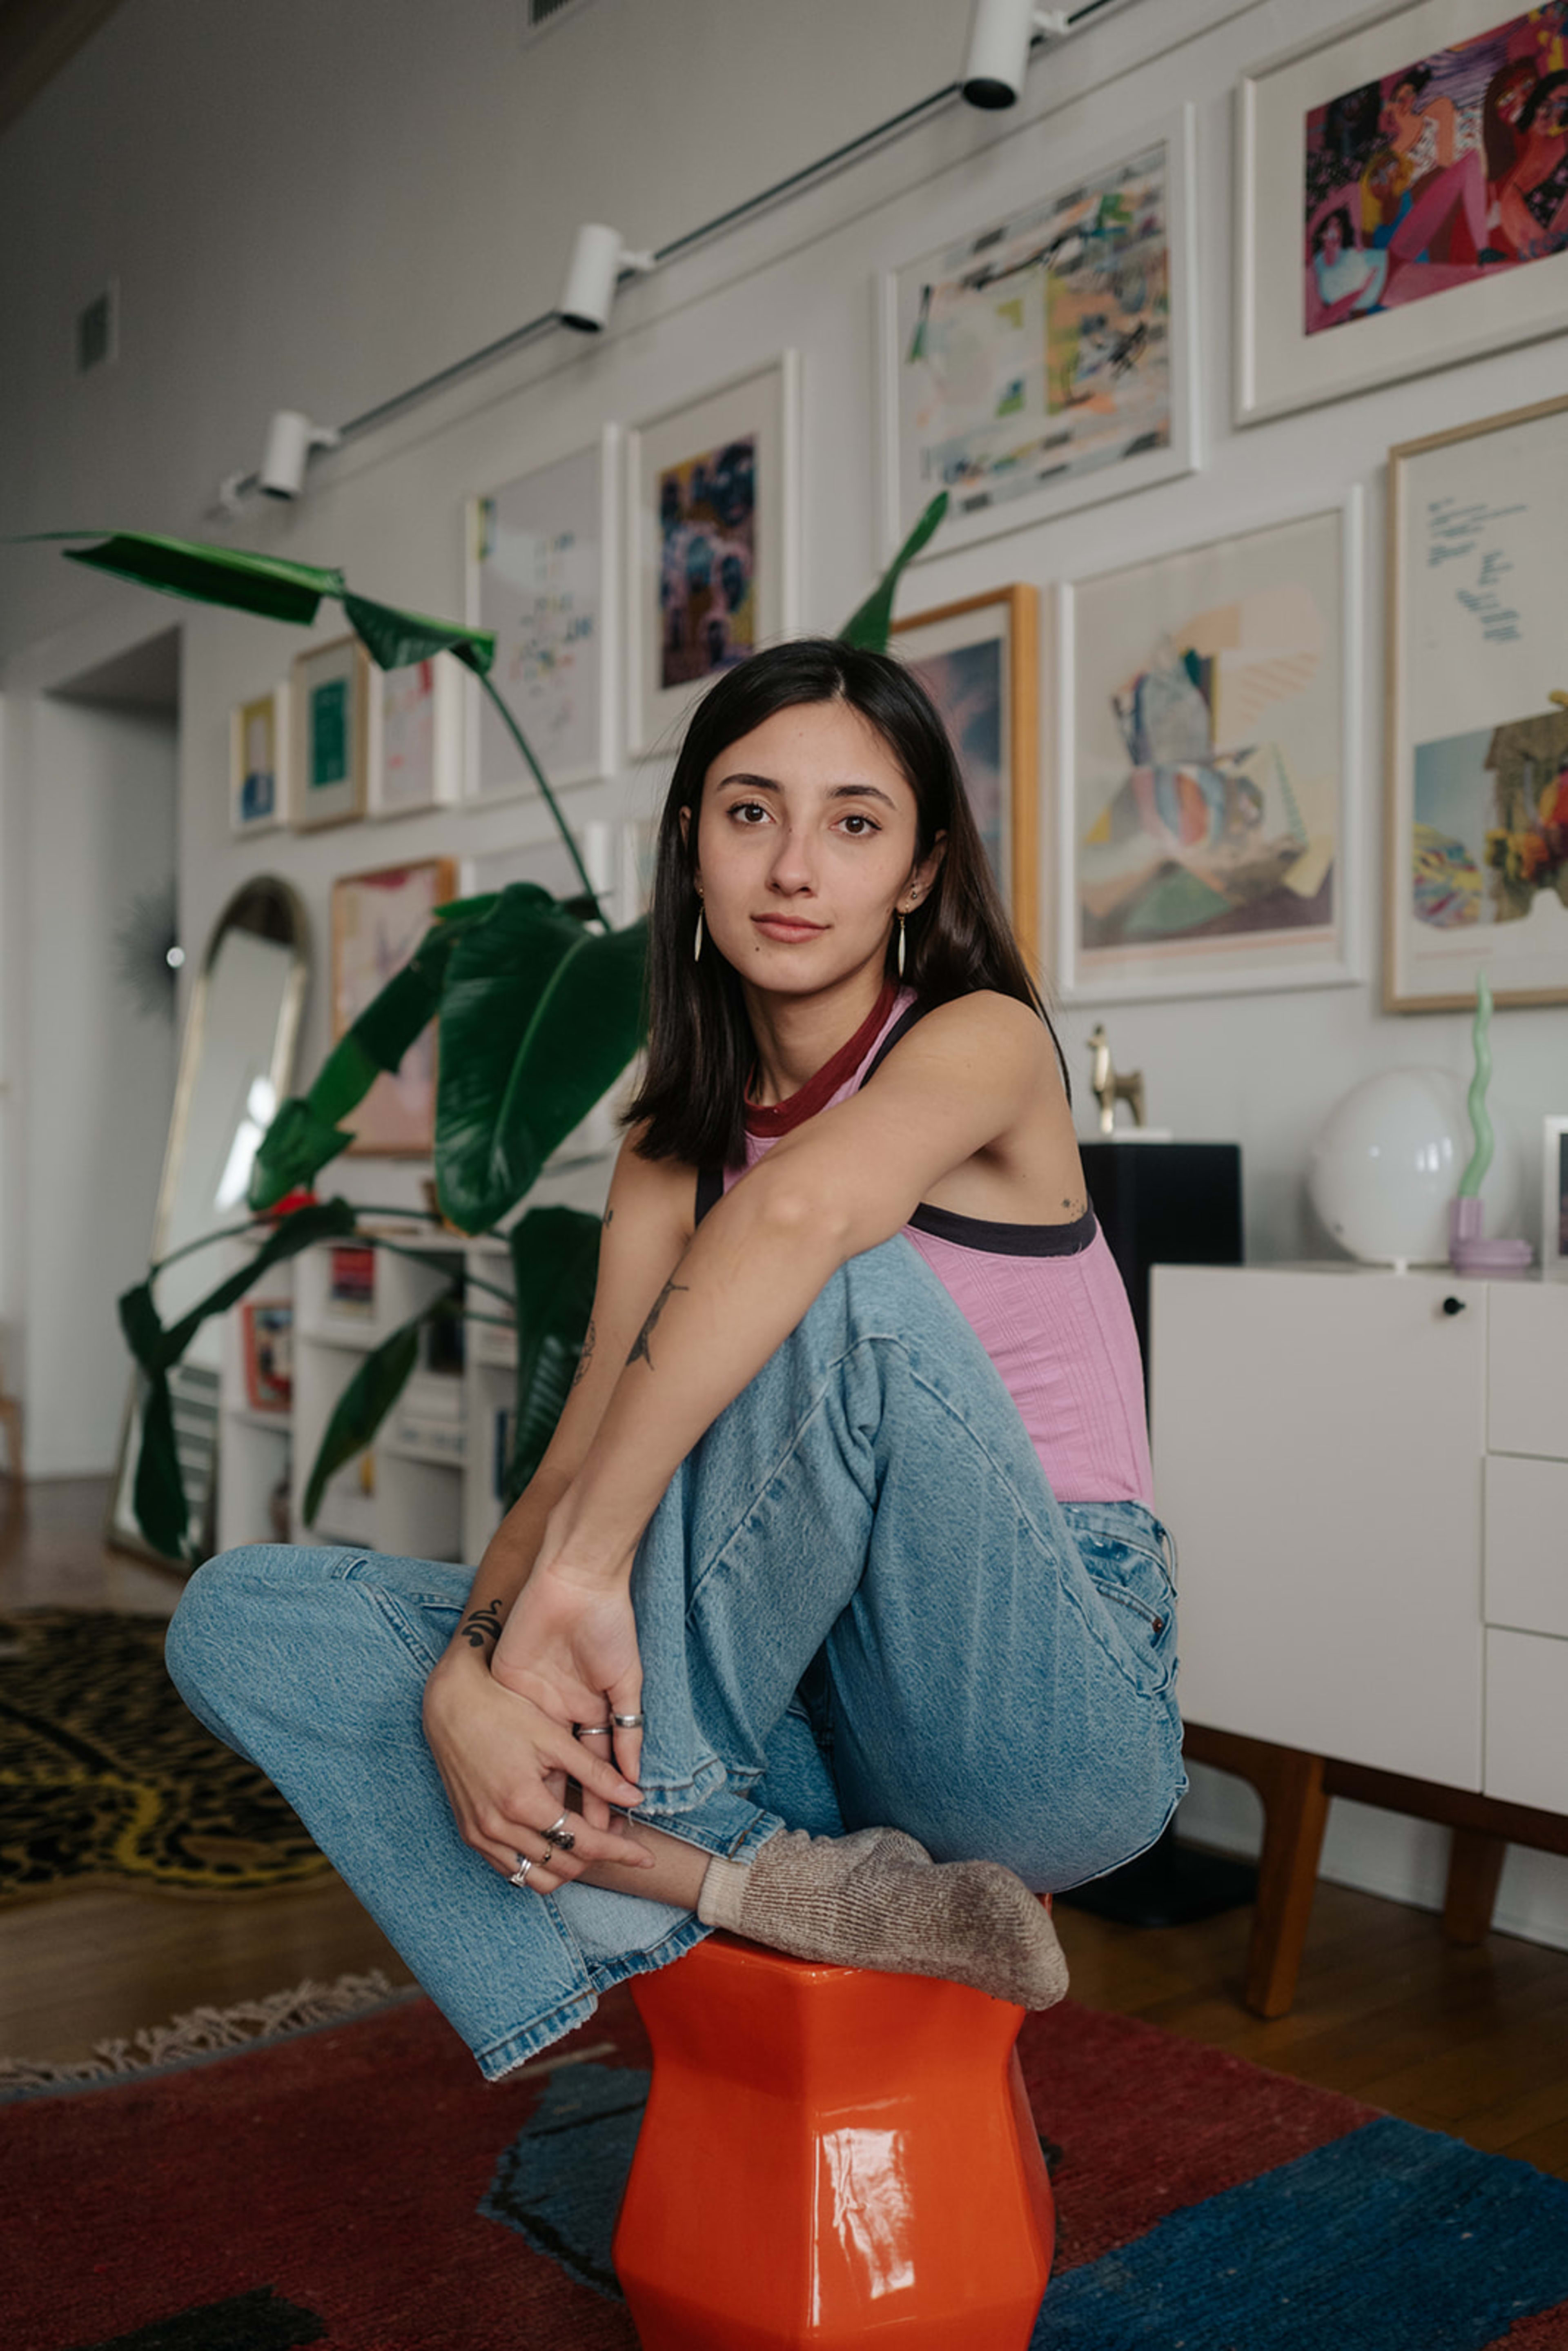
(1388, 1160)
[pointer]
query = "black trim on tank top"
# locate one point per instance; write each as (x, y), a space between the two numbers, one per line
(1006, 1240)
(710, 1190)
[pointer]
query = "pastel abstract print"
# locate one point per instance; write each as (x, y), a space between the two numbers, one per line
(1449, 169)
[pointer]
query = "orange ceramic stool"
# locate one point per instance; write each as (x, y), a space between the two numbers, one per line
(830, 2157)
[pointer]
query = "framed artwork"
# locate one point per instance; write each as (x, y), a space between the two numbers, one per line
(712, 542)
(259, 762)
(980, 662)
(415, 736)
(267, 1329)
(330, 695)
(1476, 770)
(378, 920)
(1046, 359)
(1402, 200)
(542, 575)
(1554, 1200)
(1206, 747)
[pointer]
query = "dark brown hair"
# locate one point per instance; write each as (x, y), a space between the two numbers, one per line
(700, 1045)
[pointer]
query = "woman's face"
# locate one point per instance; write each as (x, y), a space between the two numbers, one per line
(805, 843)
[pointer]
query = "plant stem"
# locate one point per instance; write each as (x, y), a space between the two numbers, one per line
(522, 740)
(426, 1258)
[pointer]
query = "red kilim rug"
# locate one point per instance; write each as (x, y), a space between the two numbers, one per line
(357, 2185)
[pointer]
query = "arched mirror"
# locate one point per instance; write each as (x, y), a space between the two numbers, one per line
(236, 1063)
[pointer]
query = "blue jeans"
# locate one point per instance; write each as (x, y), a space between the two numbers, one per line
(858, 1602)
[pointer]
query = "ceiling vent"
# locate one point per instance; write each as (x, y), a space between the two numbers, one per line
(98, 331)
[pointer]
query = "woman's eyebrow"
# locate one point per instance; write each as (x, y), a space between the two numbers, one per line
(834, 791)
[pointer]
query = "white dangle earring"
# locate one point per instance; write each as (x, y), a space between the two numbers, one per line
(696, 951)
(901, 943)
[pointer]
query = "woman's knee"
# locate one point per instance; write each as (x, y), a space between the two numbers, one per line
(212, 1640)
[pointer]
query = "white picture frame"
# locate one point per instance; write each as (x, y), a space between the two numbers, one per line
(754, 546)
(923, 438)
(543, 573)
(1284, 358)
(1258, 594)
(1554, 1199)
(258, 763)
(415, 725)
(1477, 751)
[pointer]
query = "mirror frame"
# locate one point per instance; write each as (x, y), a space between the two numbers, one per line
(282, 916)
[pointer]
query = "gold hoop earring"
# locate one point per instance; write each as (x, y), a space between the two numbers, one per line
(696, 951)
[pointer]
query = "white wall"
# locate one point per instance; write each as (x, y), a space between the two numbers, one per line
(315, 208)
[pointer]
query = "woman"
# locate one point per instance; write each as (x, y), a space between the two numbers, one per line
(789, 1632)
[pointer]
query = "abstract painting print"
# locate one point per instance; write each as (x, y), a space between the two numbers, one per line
(708, 558)
(1447, 169)
(377, 920)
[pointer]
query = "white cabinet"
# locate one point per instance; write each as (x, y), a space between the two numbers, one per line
(1358, 1579)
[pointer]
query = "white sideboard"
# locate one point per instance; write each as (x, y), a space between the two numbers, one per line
(1366, 1474)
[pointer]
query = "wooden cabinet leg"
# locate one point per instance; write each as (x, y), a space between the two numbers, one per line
(1295, 1807)
(1475, 1865)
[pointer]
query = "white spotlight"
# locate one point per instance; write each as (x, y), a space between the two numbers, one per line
(598, 257)
(290, 437)
(999, 49)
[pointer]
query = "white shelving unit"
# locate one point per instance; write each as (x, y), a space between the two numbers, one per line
(427, 1487)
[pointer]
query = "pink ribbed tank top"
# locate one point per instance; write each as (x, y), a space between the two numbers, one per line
(1045, 1302)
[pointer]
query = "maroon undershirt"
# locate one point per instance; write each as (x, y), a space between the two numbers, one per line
(778, 1118)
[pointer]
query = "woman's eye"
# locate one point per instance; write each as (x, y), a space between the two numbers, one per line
(870, 827)
(741, 807)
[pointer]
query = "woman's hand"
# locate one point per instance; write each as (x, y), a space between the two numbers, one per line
(569, 1647)
(505, 1762)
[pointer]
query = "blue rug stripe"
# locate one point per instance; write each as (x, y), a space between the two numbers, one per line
(560, 2182)
(1392, 2239)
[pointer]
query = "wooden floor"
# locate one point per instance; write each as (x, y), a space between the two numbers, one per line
(1473, 2043)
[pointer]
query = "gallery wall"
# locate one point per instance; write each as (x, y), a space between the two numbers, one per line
(283, 248)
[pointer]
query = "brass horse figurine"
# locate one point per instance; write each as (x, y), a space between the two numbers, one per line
(1110, 1087)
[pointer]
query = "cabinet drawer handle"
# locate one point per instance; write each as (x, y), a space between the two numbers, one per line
(1453, 1305)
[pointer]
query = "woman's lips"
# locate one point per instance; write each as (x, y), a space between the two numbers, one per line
(779, 927)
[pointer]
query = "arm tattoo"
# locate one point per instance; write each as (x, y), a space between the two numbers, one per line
(482, 1629)
(640, 1353)
(586, 1357)
(608, 1217)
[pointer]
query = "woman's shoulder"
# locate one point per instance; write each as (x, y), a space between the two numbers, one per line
(983, 1020)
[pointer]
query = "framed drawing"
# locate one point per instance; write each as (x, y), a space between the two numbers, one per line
(259, 762)
(1046, 359)
(1401, 199)
(1206, 747)
(330, 695)
(980, 662)
(542, 575)
(1476, 770)
(1554, 1200)
(415, 736)
(711, 541)
(266, 1327)
(378, 920)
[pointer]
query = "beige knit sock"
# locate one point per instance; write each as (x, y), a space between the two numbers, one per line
(876, 1899)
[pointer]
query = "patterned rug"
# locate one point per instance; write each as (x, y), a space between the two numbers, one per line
(357, 2185)
(106, 1777)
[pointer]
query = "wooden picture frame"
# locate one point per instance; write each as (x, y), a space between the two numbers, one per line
(978, 659)
(330, 695)
(1476, 768)
(258, 763)
(713, 567)
(378, 920)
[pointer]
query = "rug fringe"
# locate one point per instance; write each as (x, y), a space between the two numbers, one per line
(205, 2032)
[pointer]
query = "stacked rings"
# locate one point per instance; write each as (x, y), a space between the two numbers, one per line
(520, 1876)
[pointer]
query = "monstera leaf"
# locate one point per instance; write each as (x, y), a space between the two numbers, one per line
(871, 626)
(555, 1265)
(538, 1017)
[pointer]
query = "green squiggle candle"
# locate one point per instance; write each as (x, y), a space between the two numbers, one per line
(1481, 1157)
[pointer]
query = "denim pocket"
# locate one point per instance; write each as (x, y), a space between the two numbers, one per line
(1140, 1603)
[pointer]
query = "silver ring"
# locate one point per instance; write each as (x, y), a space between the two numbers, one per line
(520, 1876)
(560, 1836)
(628, 1721)
(594, 1729)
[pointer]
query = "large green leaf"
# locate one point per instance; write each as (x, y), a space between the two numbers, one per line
(158, 1495)
(394, 638)
(156, 1348)
(872, 625)
(555, 1265)
(539, 1018)
(296, 1145)
(267, 584)
(378, 1382)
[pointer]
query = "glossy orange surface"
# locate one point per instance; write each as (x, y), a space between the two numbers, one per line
(829, 2158)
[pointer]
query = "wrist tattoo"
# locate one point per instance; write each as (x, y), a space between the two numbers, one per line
(586, 1357)
(482, 1629)
(640, 1353)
